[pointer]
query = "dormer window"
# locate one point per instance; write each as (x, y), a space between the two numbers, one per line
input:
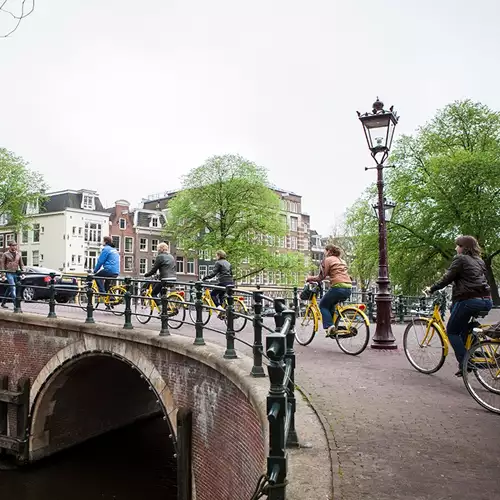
(3, 220)
(154, 222)
(32, 208)
(88, 202)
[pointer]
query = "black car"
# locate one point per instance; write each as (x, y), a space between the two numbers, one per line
(36, 282)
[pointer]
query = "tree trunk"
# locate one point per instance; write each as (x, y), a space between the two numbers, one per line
(491, 281)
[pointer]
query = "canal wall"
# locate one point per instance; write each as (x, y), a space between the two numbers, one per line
(88, 379)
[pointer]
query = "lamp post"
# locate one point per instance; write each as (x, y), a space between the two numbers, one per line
(379, 126)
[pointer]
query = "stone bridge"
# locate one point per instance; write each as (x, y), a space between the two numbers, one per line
(83, 380)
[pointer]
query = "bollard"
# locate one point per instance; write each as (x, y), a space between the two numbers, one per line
(18, 293)
(279, 307)
(198, 304)
(257, 369)
(230, 351)
(90, 299)
(292, 440)
(164, 332)
(52, 296)
(276, 413)
(128, 304)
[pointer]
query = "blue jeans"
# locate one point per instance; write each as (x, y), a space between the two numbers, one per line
(458, 324)
(328, 302)
(103, 285)
(10, 289)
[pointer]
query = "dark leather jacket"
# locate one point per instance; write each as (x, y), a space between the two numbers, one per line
(468, 275)
(222, 269)
(164, 263)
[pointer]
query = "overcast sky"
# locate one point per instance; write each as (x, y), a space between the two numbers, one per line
(124, 96)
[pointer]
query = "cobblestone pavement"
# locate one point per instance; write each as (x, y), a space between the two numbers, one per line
(395, 433)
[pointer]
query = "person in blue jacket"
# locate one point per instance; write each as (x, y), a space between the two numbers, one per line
(108, 264)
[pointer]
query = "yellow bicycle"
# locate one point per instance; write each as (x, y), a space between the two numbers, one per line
(352, 327)
(425, 342)
(113, 297)
(239, 308)
(146, 305)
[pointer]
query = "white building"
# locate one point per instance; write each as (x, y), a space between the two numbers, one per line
(66, 232)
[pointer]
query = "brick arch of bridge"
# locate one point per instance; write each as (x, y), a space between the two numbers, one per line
(110, 365)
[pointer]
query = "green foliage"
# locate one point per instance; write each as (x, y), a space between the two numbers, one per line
(19, 187)
(446, 183)
(227, 204)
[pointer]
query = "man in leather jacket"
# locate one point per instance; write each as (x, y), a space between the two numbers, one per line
(470, 292)
(223, 272)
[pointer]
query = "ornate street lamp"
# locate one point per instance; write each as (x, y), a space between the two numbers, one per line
(379, 126)
(389, 207)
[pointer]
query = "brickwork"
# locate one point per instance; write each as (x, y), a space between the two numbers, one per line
(86, 395)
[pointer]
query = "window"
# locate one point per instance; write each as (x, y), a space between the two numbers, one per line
(2, 241)
(42, 229)
(294, 242)
(180, 264)
(24, 256)
(154, 245)
(180, 244)
(143, 266)
(32, 208)
(74, 230)
(79, 259)
(210, 269)
(122, 223)
(270, 277)
(36, 258)
(3, 220)
(93, 232)
(154, 222)
(129, 244)
(79, 231)
(294, 223)
(128, 263)
(87, 202)
(203, 271)
(73, 259)
(190, 266)
(283, 204)
(143, 245)
(90, 259)
(24, 236)
(36, 234)
(116, 242)
(282, 242)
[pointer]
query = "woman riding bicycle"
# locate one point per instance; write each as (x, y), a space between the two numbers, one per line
(334, 269)
(470, 292)
(165, 264)
(223, 272)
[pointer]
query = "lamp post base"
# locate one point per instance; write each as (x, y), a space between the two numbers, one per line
(383, 338)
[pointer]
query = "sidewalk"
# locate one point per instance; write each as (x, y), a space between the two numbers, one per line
(399, 434)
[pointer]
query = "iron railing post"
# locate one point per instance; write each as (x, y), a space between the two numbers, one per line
(230, 351)
(257, 369)
(164, 332)
(370, 306)
(296, 305)
(401, 309)
(276, 414)
(292, 440)
(198, 305)
(90, 299)
(52, 296)
(128, 304)
(279, 307)
(17, 295)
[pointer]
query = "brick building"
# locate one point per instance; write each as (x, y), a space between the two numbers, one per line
(122, 231)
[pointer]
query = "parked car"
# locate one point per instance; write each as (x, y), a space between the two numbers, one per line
(36, 282)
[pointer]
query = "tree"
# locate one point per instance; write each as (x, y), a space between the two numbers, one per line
(19, 188)
(16, 13)
(446, 183)
(227, 204)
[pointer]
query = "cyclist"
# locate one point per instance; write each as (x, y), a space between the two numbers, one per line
(470, 292)
(107, 266)
(223, 272)
(334, 269)
(165, 264)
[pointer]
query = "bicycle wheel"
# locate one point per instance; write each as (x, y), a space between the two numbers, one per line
(482, 376)
(352, 330)
(424, 345)
(83, 300)
(115, 299)
(239, 308)
(176, 311)
(205, 313)
(306, 326)
(144, 308)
